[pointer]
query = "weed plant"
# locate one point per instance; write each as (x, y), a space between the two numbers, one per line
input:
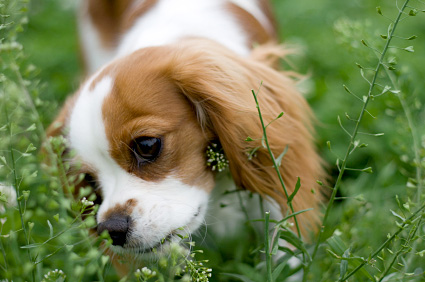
(366, 88)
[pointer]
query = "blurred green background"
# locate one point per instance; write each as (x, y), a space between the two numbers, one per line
(328, 36)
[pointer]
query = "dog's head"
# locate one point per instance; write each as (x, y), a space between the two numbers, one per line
(141, 127)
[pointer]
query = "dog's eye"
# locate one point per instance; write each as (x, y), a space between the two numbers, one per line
(146, 149)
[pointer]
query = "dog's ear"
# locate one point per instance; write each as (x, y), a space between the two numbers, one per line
(218, 83)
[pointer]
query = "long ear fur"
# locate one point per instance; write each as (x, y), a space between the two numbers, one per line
(219, 83)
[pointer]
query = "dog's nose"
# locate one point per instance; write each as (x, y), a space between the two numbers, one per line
(117, 226)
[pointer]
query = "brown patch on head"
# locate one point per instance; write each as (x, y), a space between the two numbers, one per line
(120, 209)
(113, 17)
(145, 102)
(258, 34)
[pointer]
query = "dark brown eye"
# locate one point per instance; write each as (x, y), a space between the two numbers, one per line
(146, 149)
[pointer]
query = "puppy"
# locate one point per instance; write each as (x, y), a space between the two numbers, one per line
(168, 78)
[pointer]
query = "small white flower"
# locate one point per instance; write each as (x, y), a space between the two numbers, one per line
(86, 203)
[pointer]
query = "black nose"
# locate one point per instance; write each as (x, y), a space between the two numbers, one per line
(117, 227)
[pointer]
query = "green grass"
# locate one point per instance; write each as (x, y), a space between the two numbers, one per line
(374, 229)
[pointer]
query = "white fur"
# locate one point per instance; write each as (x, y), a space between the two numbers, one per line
(161, 208)
(10, 193)
(169, 21)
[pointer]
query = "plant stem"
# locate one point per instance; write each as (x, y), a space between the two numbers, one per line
(275, 166)
(385, 244)
(403, 247)
(267, 248)
(16, 184)
(416, 151)
(353, 137)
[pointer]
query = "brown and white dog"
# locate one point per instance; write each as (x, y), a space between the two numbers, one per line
(166, 79)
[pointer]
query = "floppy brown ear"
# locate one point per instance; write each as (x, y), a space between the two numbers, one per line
(219, 83)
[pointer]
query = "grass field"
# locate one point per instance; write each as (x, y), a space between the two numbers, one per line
(374, 228)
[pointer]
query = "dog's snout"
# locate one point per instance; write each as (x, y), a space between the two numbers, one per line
(117, 227)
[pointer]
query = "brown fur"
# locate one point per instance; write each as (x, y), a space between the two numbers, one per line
(220, 83)
(257, 33)
(121, 209)
(113, 17)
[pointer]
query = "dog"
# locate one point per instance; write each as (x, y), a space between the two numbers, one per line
(166, 79)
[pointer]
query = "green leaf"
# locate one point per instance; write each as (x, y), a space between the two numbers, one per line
(287, 251)
(339, 247)
(278, 270)
(413, 37)
(26, 194)
(280, 115)
(50, 229)
(413, 12)
(378, 10)
(291, 215)
(249, 139)
(367, 170)
(397, 215)
(30, 148)
(293, 239)
(104, 260)
(32, 127)
(344, 264)
(297, 187)
(346, 88)
(386, 89)
(409, 49)
(275, 246)
(279, 158)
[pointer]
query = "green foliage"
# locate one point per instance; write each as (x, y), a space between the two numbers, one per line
(365, 87)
